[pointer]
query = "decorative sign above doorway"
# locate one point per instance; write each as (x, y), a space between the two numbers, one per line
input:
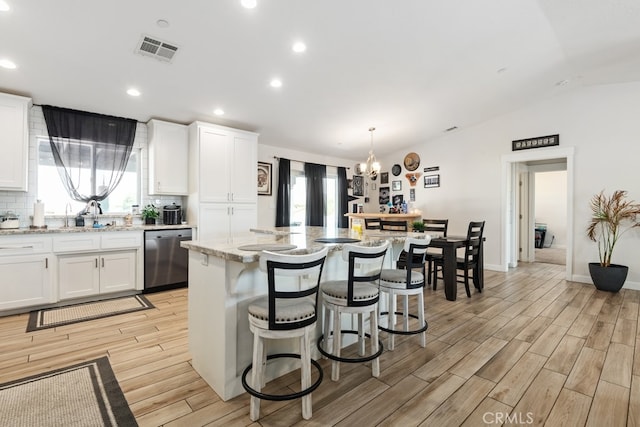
(540, 141)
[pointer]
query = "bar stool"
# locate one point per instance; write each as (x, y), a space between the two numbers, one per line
(406, 282)
(288, 311)
(358, 294)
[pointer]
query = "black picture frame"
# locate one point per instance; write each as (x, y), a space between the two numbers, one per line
(383, 197)
(358, 185)
(397, 199)
(537, 142)
(432, 181)
(264, 179)
(384, 178)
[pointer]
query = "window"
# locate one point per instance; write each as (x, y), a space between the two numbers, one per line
(299, 196)
(52, 192)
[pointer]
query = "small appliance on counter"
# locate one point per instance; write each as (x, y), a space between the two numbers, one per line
(171, 214)
(9, 221)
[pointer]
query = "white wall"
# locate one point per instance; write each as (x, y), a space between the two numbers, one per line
(601, 122)
(551, 206)
(266, 153)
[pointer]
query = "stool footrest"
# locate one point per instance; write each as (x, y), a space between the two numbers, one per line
(281, 397)
(349, 359)
(400, 332)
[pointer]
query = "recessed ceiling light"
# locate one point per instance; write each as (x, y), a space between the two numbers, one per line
(249, 4)
(276, 83)
(162, 23)
(299, 47)
(5, 63)
(133, 92)
(4, 6)
(218, 111)
(562, 82)
(501, 70)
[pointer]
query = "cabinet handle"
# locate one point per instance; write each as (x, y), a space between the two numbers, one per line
(46, 263)
(96, 262)
(15, 247)
(102, 259)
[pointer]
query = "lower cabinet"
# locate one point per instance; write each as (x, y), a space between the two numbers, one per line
(96, 273)
(26, 280)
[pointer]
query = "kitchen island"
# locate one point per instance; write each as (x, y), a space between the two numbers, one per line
(224, 280)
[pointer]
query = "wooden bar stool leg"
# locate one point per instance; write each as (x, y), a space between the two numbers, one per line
(328, 338)
(361, 335)
(405, 312)
(337, 338)
(392, 318)
(257, 375)
(305, 373)
(375, 363)
(421, 321)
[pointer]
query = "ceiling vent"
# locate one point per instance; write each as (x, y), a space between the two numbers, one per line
(155, 48)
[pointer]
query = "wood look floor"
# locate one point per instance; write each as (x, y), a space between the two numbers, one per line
(532, 346)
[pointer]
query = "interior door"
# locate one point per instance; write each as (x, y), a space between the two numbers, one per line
(524, 206)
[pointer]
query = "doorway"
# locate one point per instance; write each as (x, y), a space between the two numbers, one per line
(518, 225)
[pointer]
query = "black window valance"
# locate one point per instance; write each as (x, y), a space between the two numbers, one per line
(90, 150)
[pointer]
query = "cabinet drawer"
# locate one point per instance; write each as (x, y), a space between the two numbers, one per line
(24, 245)
(76, 242)
(121, 240)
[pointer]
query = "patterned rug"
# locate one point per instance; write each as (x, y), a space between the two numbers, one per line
(52, 317)
(86, 394)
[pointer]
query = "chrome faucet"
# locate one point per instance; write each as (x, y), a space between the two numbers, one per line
(67, 211)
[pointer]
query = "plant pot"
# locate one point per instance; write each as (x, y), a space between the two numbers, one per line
(609, 278)
(150, 221)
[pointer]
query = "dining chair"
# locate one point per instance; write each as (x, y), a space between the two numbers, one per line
(438, 227)
(372, 223)
(470, 259)
(406, 282)
(357, 294)
(393, 225)
(289, 310)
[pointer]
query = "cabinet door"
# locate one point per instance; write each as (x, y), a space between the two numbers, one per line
(26, 280)
(244, 170)
(213, 221)
(168, 158)
(214, 156)
(242, 218)
(14, 142)
(117, 271)
(78, 276)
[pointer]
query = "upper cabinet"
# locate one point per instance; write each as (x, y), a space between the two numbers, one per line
(168, 158)
(223, 164)
(14, 142)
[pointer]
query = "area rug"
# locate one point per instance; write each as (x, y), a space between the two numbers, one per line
(86, 394)
(52, 317)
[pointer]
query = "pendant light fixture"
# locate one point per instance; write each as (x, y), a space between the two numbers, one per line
(372, 167)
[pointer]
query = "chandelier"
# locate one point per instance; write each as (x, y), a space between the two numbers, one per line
(372, 167)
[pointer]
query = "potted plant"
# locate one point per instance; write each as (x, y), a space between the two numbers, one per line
(150, 213)
(418, 226)
(611, 218)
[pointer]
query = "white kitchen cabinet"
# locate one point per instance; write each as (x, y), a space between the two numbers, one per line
(222, 180)
(168, 158)
(26, 272)
(96, 273)
(221, 220)
(14, 142)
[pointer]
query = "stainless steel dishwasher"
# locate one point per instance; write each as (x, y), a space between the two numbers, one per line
(166, 264)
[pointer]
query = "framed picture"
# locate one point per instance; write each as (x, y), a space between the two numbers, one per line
(358, 185)
(264, 179)
(431, 181)
(412, 194)
(397, 199)
(396, 185)
(384, 178)
(383, 198)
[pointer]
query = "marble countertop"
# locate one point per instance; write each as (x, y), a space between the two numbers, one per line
(87, 229)
(301, 237)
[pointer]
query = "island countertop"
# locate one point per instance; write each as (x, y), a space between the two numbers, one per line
(300, 237)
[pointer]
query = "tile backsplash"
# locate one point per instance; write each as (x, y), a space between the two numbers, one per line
(21, 203)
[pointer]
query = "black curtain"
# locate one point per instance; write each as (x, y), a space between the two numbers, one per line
(343, 198)
(315, 176)
(283, 210)
(91, 150)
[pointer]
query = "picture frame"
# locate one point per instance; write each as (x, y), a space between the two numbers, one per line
(431, 181)
(358, 185)
(397, 199)
(412, 194)
(396, 185)
(264, 179)
(384, 178)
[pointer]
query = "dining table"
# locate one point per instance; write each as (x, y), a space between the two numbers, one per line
(449, 246)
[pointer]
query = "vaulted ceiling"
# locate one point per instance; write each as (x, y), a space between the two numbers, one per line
(411, 68)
